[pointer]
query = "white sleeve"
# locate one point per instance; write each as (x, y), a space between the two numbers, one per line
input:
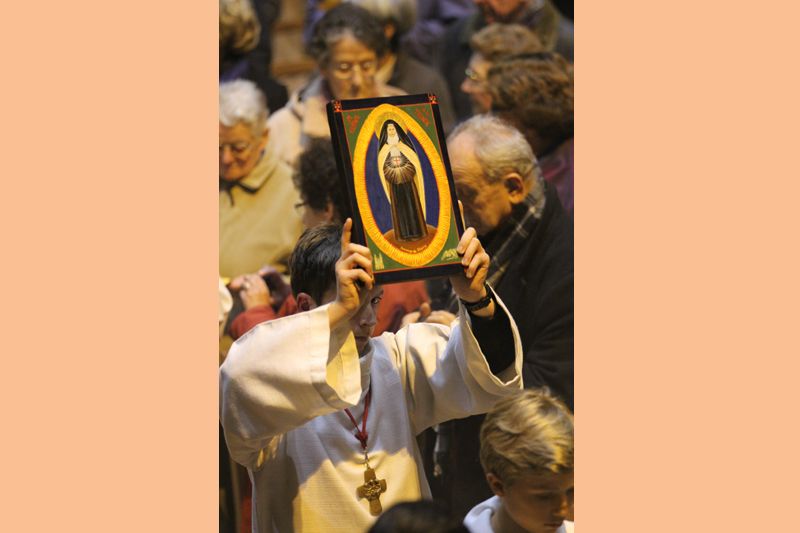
(280, 375)
(445, 375)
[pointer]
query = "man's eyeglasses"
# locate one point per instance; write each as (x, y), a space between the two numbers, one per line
(345, 70)
(239, 148)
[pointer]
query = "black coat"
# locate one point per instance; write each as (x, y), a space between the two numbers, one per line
(537, 288)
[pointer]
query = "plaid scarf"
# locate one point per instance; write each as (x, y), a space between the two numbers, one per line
(514, 234)
(501, 247)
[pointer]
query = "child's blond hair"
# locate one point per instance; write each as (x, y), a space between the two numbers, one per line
(527, 432)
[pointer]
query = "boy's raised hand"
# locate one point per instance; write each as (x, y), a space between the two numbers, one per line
(354, 277)
(470, 284)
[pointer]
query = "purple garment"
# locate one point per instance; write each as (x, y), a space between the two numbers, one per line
(433, 18)
(236, 71)
(558, 169)
(313, 14)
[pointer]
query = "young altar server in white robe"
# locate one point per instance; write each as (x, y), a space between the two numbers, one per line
(325, 417)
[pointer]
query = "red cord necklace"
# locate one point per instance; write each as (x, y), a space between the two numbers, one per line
(372, 487)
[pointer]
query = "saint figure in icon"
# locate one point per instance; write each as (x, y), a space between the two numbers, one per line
(401, 176)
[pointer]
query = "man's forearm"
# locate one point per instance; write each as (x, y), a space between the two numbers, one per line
(496, 339)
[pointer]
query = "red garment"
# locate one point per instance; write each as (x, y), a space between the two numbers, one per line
(261, 313)
(399, 299)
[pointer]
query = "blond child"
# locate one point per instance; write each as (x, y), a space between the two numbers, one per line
(527, 455)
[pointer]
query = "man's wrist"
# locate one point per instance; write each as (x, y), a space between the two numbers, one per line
(469, 300)
(484, 300)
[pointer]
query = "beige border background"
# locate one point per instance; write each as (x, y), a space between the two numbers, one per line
(687, 266)
(110, 266)
(686, 248)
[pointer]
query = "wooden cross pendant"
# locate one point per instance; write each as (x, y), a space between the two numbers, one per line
(372, 490)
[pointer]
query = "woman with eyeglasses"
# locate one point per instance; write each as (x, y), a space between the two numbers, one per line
(346, 45)
(490, 45)
(397, 66)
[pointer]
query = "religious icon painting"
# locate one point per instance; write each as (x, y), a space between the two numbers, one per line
(392, 159)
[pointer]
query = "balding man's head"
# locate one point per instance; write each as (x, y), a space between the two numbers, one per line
(494, 170)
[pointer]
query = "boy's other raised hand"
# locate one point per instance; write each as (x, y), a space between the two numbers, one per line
(469, 285)
(354, 277)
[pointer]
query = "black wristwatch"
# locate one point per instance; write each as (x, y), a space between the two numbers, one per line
(480, 304)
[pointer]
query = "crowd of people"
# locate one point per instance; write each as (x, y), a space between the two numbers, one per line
(358, 407)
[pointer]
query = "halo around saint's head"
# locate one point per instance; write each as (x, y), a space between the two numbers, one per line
(389, 115)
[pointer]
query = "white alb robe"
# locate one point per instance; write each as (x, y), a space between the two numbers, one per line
(479, 519)
(283, 389)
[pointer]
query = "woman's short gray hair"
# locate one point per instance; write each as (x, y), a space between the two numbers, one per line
(340, 21)
(242, 101)
(402, 13)
(500, 148)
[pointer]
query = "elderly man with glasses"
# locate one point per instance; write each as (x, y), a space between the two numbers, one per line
(257, 224)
